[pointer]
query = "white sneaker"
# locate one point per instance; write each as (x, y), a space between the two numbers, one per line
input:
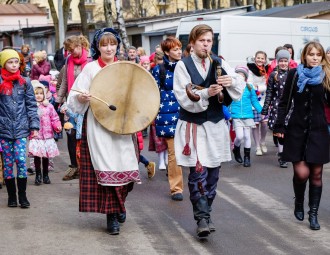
(263, 148)
(258, 151)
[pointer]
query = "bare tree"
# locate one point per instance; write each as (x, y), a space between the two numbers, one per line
(66, 9)
(121, 24)
(107, 13)
(269, 4)
(196, 4)
(239, 2)
(83, 18)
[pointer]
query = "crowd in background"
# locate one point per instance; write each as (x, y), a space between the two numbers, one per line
(262, 106)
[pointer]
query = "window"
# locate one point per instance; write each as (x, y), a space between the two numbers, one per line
(162, 11)
(178, 10)
(89, 15)
(70, 14)
(48, 13)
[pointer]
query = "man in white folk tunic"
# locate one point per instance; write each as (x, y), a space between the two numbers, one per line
(202, 137)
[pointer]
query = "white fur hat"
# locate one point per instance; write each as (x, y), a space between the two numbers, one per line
(37, 84)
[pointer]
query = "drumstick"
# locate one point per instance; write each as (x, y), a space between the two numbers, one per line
(111, 107)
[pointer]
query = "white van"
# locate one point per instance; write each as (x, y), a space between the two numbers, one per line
(238, 37)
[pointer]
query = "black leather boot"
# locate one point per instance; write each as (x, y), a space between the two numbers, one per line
(121, 217)
(112, 224)
(202, 216)
(22, 199)
(45, 178)
(11, 189)
(299, 193)
(237, 154)
(37, 180)
(314, 202)
(247, 162)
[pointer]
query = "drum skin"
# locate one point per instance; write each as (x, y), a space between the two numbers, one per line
(132, 90)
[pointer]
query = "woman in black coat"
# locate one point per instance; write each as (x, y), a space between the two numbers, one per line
(306, 142)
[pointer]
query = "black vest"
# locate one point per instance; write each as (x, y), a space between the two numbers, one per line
(214, 112)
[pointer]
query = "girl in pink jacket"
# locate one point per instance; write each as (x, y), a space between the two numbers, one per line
(44, 146)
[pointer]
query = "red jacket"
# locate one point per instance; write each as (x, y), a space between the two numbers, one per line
(140, 140)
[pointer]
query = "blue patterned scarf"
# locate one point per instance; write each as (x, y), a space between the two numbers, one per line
(311, 76)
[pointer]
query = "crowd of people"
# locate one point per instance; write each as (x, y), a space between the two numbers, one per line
(208, 109)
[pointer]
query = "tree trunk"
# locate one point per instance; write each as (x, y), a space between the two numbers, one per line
(196, 4)
(66, 10)
(121, 24)
(55, 21)
(269, 4)
(107, 13)
(213, 4)
(83, 18)
(206, 4)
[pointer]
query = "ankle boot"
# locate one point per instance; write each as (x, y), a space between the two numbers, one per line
(299, 192)
(112, 224)
(11, 189)
(22, 199)
(45, 178)
(202, 216)
(247, 162)
(237, 154)
(283, 164)
(314, 202)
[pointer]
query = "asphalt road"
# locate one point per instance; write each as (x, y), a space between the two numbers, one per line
(253, 214)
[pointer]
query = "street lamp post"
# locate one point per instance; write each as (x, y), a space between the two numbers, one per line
(60, 22)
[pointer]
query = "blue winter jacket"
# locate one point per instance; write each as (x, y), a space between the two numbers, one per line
(169, 107)
(242, 109)
(18, 112)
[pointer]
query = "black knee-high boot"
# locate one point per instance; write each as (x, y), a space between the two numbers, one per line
(22, 199)
(314, 202)
(299, 193)
(237, 154)
(37, 164)
(11, 189)
(247, 162)
(202, 216)
(45, 165)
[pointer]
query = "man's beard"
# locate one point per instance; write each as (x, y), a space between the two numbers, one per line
(201, 54)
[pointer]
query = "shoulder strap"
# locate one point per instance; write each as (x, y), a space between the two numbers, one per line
(290, 95)
(162, 75)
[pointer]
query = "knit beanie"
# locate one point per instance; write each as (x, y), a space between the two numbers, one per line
(144, 59)
(242, 69)
(7, 54)
(282, 54)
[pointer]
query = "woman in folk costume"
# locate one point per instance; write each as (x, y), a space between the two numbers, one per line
(101, 189)
(78, 47)
(306, 142)
(202, 140)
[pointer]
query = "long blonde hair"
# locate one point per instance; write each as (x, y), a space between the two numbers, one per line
(324, 62)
